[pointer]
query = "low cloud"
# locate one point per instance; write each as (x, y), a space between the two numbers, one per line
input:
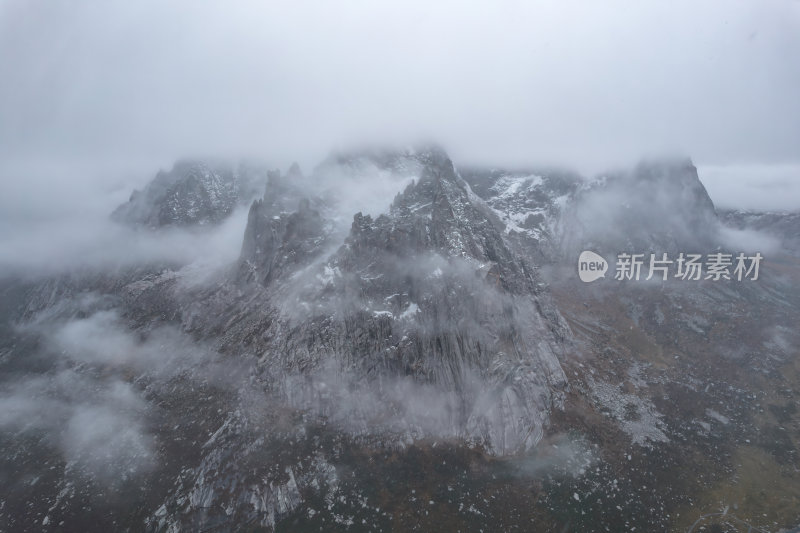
(92, 404)
(749, 241)
(102, 339)
(99, 426)
(753, 187)
(93, 242)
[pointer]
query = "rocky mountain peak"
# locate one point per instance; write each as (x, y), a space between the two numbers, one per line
(193, 192)
(294, 173)
(284, 228)
(428, 290)
(679, 179)
(439, 214)
(658, 206)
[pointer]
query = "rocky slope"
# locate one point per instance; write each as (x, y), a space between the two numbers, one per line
(434, 365)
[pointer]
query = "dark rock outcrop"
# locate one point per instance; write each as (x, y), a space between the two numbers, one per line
(192, 193)
(284, 230)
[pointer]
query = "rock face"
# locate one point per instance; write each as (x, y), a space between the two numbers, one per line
(429, 293)
(283, 230)
(192, 193)
(658, 206)
(530, 203)
(414, 354)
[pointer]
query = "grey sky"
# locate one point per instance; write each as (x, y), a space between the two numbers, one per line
(574, 82)
(95, 94)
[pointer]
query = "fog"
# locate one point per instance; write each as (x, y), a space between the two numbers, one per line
(518, 80)
(98, 426)
(753, 187)
(108, 92)
(76, 240)
(92, 405)
(99, 96)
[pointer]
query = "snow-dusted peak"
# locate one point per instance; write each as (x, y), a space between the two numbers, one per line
(193, 192)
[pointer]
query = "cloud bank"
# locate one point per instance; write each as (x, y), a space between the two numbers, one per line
(98, 96)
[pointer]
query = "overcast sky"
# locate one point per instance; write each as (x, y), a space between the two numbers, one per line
(94, 93)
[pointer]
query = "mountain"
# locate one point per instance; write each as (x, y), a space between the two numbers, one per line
(192, 193)
(428, 291)
(529, 203)
(433, 364)
(658, 206)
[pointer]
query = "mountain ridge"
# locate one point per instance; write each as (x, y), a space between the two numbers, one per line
(345, 349)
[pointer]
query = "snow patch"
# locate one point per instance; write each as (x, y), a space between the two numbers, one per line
(410, 312)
